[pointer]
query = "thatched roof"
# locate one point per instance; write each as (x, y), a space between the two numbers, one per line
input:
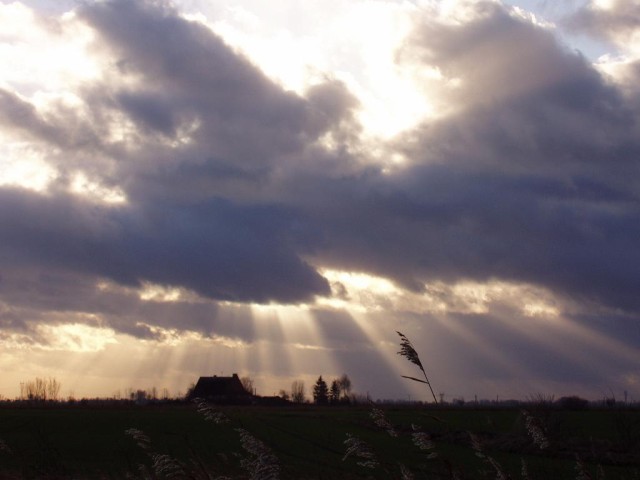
(216, 388)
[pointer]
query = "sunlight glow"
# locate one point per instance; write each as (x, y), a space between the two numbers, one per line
(184, 135)
(57, 57)
(603, 4)
(291, 343)
(159, 293)
(458, 12)
(76, 337)
(343, 47)
(299, 346)
(16, 341)
(56, 67)
(23, 166)
(540, 309)
(360, 292)
(361, 281)
(530, 17)
(151, 292)
(229, 342)
(120, 129)
(82, 185)
(295, 322)
(174, 337)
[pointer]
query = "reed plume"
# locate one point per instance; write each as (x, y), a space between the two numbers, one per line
(408, 352)
(358, 448)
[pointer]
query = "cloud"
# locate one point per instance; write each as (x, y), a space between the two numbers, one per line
(20, 115)
(190, 76)
(201, 175)
(239, 124)
(617, 21)
(231, 191)
(216, 249)
(528, 179)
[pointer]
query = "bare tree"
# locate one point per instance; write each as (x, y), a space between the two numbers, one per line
(53, 389)
(297, 391)
(40, 389)
(247, 383)
(334, 392)
(283, 394)
(344, 384)
(128, 393)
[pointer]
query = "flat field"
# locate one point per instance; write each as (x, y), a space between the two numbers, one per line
(59, 441)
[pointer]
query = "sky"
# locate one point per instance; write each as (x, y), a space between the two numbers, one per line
(274, 189)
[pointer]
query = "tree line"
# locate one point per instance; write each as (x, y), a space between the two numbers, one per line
(40, 389)
(338, 391)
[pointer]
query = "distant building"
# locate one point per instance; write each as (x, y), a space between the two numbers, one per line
(221, 390)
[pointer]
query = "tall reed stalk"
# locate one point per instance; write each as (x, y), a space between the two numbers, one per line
(407, 351)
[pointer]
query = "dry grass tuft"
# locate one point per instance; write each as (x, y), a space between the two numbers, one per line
(163, 466)
(210, 413)
(261, 463)
(358, 448)
(536, 430)
(380, 419)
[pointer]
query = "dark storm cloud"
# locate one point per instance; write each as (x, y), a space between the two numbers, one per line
(216, 249)
(177, 228)
(31, 296)
(190, 75)
(532, 179)
(539, 172)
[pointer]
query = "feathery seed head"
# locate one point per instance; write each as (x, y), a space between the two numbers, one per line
(210, 413)
(535, 430)
(261, 463)
(407, 351)
(423, 441)
(140, 437)
(380, 419)
(358, 448)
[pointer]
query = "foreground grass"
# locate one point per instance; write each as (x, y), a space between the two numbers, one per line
(89, 442)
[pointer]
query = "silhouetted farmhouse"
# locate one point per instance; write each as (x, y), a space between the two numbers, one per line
(221, 390)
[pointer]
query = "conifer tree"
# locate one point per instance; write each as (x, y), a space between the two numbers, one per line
(320, 392)
(334, 392)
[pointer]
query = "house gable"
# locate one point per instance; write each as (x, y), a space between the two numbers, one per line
(221, 390)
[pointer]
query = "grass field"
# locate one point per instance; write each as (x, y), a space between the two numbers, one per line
(90, 441)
